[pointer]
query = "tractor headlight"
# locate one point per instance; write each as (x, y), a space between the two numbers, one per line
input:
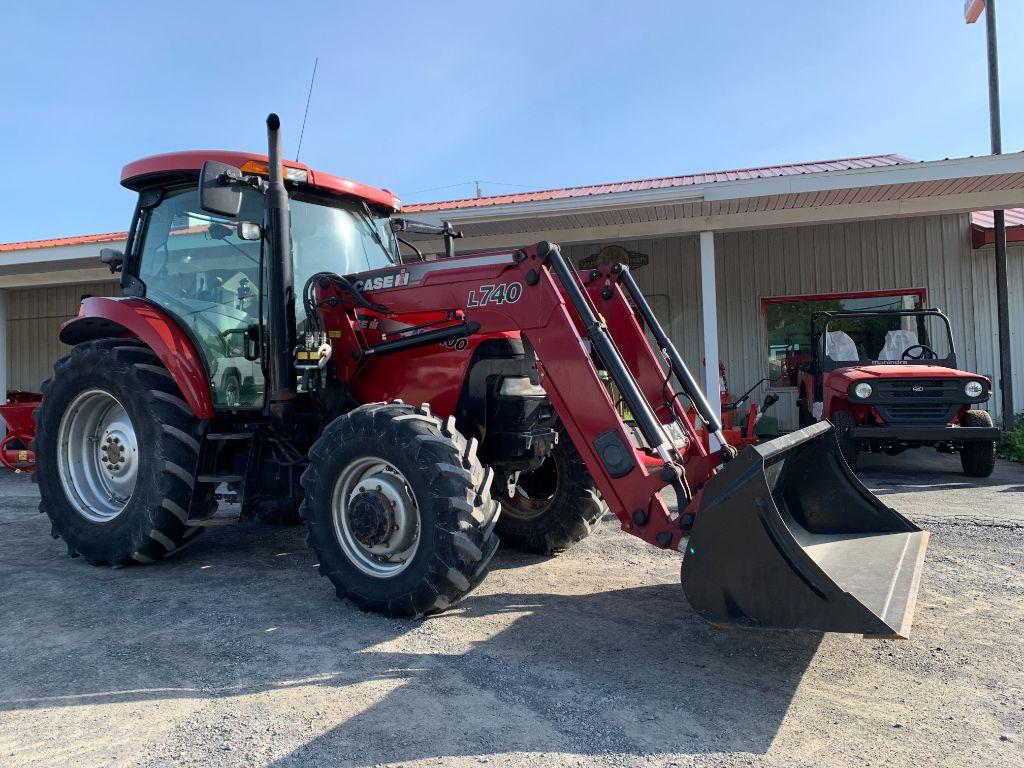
(974, 389)
(520, 386)
(863, 390)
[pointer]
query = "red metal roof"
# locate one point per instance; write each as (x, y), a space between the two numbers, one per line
(771, 171)
(983, 227)
(108, 237)
(983, 219)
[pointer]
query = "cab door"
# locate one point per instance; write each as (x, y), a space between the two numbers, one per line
(194, 265)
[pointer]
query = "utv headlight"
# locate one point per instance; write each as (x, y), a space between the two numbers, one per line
(520, 386)
(863, 390)
(974, 389)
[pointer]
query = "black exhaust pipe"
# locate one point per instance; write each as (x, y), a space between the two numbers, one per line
(280, 288)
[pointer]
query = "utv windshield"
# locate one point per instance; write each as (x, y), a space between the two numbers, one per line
(887, 338)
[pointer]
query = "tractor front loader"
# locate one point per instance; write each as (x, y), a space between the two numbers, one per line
(276, 346)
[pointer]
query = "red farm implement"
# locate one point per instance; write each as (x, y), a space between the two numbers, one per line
(15, 450)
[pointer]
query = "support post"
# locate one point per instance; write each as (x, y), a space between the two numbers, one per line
(999, 221)
(709, 306)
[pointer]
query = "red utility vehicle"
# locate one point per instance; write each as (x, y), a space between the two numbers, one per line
(888, 381)
(400, 404)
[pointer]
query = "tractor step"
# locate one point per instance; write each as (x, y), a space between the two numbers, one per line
(221, 436)
(210, 522)
(218, 479)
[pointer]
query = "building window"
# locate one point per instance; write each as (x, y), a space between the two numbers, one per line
(788, 324)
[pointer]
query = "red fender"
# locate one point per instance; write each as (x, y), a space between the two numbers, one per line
(105, 318)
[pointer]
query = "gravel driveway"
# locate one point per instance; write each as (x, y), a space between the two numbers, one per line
(236, 654)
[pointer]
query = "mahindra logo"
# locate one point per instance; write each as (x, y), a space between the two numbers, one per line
(919, 389)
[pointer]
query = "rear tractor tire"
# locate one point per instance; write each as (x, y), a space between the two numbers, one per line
(116, 451)
(978, 458)
(399, 510)
(842, 422)
(553, 507)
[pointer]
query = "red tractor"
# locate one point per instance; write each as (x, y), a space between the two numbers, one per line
(274, 344)
(888, 381)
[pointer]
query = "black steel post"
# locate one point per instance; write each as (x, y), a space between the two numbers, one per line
(280, 288)
(999, 221)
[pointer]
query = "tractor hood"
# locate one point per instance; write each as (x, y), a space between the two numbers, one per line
(852, 374)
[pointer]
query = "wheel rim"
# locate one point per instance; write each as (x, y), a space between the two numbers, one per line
(534, 492)
(376, 518)
(97, 455)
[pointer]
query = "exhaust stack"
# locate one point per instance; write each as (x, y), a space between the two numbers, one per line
(280, 289)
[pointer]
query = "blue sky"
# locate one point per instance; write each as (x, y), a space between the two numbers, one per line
(416, 96)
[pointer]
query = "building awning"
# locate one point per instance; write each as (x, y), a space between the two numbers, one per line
(884, 186)
(852, 189)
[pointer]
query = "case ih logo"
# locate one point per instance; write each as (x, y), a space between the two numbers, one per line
(393, 280)
(615, 254)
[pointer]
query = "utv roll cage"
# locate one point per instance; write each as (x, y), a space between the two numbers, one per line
(821, 363)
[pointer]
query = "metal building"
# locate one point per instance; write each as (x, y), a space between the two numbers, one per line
(720, 255)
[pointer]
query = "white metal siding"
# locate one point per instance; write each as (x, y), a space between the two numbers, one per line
(34, 317)
(983, 278)
(671, 283)
(932, 252)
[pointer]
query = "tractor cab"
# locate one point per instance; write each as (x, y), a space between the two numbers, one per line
(205, 268)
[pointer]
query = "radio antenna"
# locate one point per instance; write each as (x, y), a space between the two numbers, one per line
(305, 114)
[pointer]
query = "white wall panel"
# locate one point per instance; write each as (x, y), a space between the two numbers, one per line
(34, 317)
(932, 252)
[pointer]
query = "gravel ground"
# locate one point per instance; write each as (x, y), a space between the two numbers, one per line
(235, 654)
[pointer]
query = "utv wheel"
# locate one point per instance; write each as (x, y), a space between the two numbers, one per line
(553, 507)
(399, 510)
(978, 458)
(116, 453)
(842, 422)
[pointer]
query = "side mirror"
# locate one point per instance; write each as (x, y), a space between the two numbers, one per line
(220, 188)
(249, 230)
(112, 258)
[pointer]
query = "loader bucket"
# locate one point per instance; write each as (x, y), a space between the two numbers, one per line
(787, 537)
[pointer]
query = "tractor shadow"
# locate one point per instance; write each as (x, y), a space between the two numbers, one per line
(624, 671)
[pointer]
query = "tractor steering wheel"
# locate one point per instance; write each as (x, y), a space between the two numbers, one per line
(924, 353)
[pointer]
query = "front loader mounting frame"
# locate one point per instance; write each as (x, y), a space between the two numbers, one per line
(534, 291)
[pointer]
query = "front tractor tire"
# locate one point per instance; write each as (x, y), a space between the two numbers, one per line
(116, 453)
(978, 458)
(553, 507)
(399, 510)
